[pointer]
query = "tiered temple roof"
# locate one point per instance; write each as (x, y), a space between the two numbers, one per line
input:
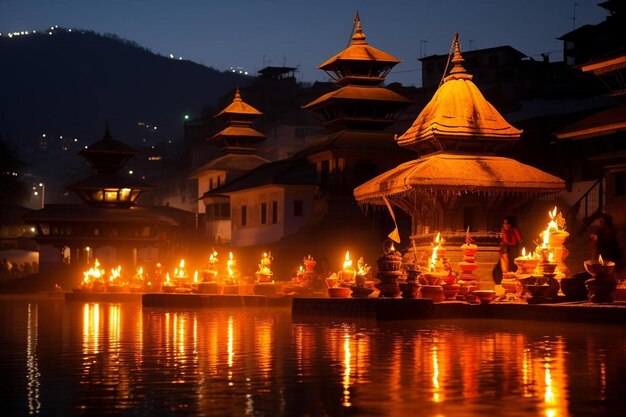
(458, 118)
(456, 135)
(360, 103)
(238, 136)
(108, 187)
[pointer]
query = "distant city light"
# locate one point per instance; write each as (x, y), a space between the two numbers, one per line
(32, 229)
(155, 128)
(41, 184)
(171, 55)
(85, 146)
(186, 117)
(75, 139)
(36, 193)
(44, 135)
(130, 172)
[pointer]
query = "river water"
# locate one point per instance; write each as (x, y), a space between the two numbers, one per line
(60, 359)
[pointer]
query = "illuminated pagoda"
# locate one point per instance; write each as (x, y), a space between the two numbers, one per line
(279, 198)
(457, 181)
(109, 224)
(238, 143)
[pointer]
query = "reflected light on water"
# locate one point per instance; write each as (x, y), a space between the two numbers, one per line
(119, 358)
(437, 392)
(347, 357)
(91, 329)
(264, 330)
(32, 368)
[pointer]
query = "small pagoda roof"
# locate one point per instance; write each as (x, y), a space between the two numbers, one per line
(230, 163)
(108, 145)
(459, 173)
(359, 92)
(238, 106)
(459, 110)
(360, 50)
(238, 131)
(603, 123)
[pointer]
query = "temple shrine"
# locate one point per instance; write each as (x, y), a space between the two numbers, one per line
(458, 181)
(238, 143)
(109, 225)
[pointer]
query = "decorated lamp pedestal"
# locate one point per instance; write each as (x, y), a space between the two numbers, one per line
(264, 277)
(389, 271)
(450, 287)
(603, 283)
(467, 280)
(432, 289)
(548, 270)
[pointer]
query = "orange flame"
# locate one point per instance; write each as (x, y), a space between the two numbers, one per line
(347, 264)
(600, 260)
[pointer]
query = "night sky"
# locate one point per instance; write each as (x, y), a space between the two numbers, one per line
(251, 33)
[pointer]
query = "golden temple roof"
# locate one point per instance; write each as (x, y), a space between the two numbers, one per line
(360, 50)
(238, 106)
(459, 173)
(357, 92)
(458, 111)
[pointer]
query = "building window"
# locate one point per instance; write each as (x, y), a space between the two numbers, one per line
(210, 184)
(274, 212)
(244, 215)
(298, 208)
(263, 213)
(620, 191)
(219, 181)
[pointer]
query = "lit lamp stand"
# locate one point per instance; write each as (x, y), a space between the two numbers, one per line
(231, 282)
(209, 284)
(264, 283)
(389, 271)
(603, 282)
(467, 280)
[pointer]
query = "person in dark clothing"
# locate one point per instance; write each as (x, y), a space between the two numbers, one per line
(604, 241)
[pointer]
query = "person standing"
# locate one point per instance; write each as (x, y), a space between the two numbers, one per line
(509, 245)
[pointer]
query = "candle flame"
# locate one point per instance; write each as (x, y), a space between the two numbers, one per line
(195, 276)
(433, 258)
(181, 264)
(347, 264)
(600, 260)
(167, 277)
(552, 213)
(524, 252)
(550, 257)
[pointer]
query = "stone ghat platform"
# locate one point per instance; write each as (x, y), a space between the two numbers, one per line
(416, 309)
(103, 297)
(214, 301)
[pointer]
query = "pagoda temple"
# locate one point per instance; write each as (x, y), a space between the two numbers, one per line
(109, 224)
(238, 143)
(314, 185)
(458, 182)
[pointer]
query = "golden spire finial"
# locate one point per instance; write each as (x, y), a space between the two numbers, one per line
(458, 70)
(237, 97)
(358, 36)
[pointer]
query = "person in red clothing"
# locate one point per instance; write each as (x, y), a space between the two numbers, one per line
(509, 246)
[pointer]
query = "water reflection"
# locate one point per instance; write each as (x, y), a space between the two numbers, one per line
(117, 358)
(32, 368)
